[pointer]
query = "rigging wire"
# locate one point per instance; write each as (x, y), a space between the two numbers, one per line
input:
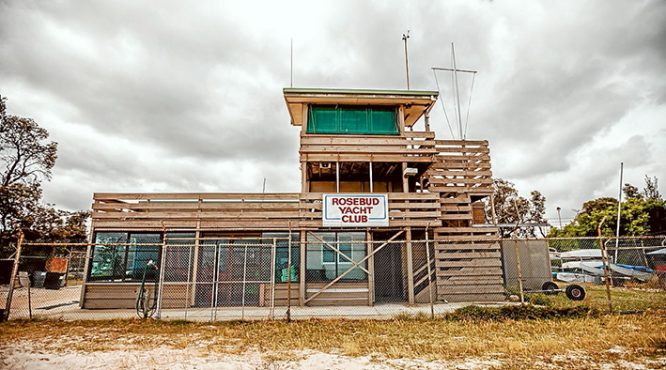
(469, 104)
(448, 123)
(453, 88)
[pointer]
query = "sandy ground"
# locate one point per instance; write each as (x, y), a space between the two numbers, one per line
(25, 355)
(44, 302)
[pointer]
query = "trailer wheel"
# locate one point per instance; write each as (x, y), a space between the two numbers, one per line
(575, 292)
(549, 288)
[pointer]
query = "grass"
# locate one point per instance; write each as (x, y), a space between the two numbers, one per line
(561, 333)
(516, 342)
(623, 299)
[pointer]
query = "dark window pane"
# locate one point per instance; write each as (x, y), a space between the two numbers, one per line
(352, 120)
(108, 261)
(138, 256)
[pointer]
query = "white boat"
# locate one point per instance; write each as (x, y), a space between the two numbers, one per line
(581, 254)
(641, 273)
(572, 277)
(592, 267)
(657, 252)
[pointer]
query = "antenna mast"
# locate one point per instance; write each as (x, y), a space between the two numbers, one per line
(291, 63)
(405, 36)
(456, 89)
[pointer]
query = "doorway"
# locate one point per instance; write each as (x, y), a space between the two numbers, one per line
(389, 286)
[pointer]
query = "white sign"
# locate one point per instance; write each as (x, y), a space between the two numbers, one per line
(355, 210)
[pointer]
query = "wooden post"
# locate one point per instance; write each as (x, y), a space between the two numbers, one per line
(301, 282)
(371, 179)
(432, 304)
(12, 279)
(304, 177)
(604, 261)
(410, 266)
(86, 265)
(371, 268)
(337, 177)
(520, 270)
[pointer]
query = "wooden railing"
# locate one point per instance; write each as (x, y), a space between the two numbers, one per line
(242, 211)
(412, 146)
(461, 165)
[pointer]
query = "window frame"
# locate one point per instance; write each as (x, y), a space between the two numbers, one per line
(125, 251)
(339, 110)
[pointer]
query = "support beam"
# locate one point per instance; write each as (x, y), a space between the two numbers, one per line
(371, 184)
(301, 282)
(304, 177)
(337, 177)
(371, 268)
(410, 266)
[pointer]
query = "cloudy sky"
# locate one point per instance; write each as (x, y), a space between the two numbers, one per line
(166, 96)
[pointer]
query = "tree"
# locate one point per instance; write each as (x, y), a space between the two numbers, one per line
(641, 214)
(651, 189)
(513, 209)
(27, 157)
(631, 191)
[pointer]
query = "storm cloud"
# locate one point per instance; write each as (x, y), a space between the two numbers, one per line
(168, 96)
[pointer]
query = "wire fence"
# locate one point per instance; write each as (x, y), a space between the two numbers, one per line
(321, 275)
(607, 273)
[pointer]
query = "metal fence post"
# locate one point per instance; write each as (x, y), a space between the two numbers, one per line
(604, 261)
(190, 256)
(244, 283)
(12, 279)
(289, 276)
(273, 257)
(29, 303)
(160, 289)
(215, 280)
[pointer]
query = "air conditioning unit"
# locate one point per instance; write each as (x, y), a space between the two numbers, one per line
(410, 171)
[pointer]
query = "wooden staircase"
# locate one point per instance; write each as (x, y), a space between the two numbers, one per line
(467, 257)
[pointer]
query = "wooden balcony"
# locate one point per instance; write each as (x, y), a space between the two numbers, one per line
(242, 211)
(412, 146)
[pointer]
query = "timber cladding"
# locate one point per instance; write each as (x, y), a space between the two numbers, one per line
(245, 211)
(434, 187)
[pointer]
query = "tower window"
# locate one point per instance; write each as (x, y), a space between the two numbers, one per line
(352, 120)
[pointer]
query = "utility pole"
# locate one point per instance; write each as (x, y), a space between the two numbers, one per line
(405, 36)
(559, 216)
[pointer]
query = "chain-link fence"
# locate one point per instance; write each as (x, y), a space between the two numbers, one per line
(220, 278)
(607, 273)
(322, 274)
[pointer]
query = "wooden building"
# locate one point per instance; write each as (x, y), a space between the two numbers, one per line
(377, 189)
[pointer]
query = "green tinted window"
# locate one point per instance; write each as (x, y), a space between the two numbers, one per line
(352, 120)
